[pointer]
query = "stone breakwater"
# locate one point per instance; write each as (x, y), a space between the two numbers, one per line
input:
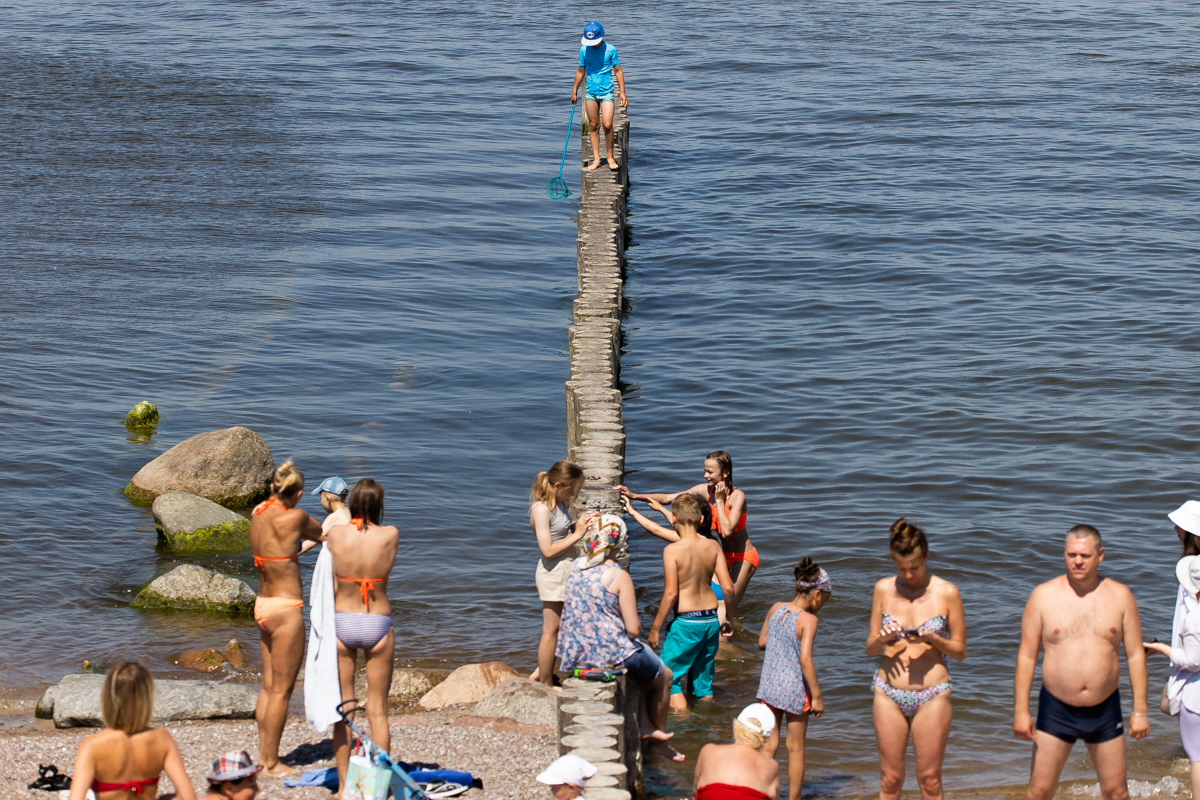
(595, 427)
(599, 721)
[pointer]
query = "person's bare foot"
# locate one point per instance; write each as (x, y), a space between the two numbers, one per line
(595, 165)
(655, 735)
(280, 770)
(666, 751)
(536, 675)
(612, 165)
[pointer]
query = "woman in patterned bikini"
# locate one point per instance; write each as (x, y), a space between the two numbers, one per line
(278, 531)
(916, 620)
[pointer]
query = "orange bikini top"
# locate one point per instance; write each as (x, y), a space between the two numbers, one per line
(258, 509)
(741, 523)
(365, 586)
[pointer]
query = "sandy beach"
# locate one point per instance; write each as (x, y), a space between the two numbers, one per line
(506, 755)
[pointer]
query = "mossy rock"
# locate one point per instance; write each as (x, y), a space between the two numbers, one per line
(142, 417)
(189, 523)
(226, 537)
(232, 467)
(192, 588)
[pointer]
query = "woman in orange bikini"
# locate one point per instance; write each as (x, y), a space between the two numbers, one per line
(728, 505)
(124, 760)
(277, 529)
(363, 554)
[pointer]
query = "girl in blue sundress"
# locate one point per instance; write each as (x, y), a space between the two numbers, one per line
(789, 680)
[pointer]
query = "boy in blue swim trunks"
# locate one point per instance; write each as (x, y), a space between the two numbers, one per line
(599, 64)
(689, 566)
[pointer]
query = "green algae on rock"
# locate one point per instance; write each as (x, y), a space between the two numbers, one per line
(142, 417)
(192, 588)
(186, 522)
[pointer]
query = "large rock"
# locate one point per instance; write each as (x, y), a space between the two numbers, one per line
(187, 522)
(530, 702)
(231, 467)
(196, 588)
(74, 702)
(468, 684)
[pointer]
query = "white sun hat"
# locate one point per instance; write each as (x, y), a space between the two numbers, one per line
(1188, 573)
(568, 769)
(1187, 516)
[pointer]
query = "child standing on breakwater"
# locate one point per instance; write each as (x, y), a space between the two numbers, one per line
(789, 680)
(598, 62)
(689, 566)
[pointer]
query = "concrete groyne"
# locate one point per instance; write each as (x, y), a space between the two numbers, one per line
(599, 721)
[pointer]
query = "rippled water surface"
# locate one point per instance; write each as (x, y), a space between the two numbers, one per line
(934, 259)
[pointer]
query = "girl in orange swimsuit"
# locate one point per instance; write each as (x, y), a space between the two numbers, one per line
(124, 760)
(279, 533)
(363, 555)
(729, 511)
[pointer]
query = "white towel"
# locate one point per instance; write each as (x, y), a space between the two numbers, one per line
(322, 689)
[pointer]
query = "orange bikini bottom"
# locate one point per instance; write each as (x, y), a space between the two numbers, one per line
(266, 606)
(750, 555)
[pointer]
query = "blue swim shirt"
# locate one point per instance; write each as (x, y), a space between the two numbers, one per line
(598, 61)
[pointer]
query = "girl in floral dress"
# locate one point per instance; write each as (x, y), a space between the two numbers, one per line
(789, 680)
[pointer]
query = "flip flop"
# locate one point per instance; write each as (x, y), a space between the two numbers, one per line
(50, 779)
(439, 789)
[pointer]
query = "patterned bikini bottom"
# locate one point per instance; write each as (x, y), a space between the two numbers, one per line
(909, 701)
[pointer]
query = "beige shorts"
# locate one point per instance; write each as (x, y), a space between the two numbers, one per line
(551, 579)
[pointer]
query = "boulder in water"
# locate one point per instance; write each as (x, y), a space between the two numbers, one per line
(468, 684)
(142, 417)
(187, 522)
(74, 702)
(195, 588)
(232, 467)
(526, 701)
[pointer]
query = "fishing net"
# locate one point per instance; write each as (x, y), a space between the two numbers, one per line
(557, 189)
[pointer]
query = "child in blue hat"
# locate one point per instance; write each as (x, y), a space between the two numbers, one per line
(599, 64)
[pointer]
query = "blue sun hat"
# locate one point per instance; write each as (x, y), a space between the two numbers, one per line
(593, 34)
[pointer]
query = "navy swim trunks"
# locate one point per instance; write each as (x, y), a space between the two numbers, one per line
(1093, 724)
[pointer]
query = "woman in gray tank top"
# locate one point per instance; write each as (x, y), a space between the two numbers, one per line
(553, 490)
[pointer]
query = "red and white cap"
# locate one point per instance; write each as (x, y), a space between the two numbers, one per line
(233, 766)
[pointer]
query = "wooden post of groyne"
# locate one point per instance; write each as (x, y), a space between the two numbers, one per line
(599, 721)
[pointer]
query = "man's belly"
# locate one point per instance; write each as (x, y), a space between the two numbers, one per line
(1081, 672)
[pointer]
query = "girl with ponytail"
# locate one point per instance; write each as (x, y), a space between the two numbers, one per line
(552, 493)
(789, 679)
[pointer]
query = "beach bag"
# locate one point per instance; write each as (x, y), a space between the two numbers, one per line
(366, 781)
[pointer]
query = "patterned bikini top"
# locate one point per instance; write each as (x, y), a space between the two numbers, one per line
(937, 625)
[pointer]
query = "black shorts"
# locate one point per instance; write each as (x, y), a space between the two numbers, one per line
(1093, 724)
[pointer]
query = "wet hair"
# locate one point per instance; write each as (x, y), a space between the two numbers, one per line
(127, 699)
(907, 539)
(705, 528)
(564, 472)
(744, 734)
(686, 508)
(1086, 532)
(366, 501)
(287, 480)
(807, 571)
(725, 464)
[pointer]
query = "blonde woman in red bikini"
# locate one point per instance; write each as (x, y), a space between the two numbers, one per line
(279, 533)
(728, 505)
(126, 759)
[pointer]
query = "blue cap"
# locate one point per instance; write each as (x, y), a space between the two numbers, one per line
(593, 33)
(334, 485)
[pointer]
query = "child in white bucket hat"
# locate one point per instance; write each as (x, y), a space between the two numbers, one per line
(567, 776)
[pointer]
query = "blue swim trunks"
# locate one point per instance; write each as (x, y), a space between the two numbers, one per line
(691, 650)
(598, 98)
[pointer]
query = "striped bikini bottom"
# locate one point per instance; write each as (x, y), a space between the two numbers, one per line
(361, 631)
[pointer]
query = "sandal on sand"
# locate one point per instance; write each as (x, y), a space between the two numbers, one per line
(50, 779)
(439, 789)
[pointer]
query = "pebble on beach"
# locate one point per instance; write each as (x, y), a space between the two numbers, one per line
(504, 754)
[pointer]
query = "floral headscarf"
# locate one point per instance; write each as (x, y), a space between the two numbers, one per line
(605, 538)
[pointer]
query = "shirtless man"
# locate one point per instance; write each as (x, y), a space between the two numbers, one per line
(1080, 621)
(740, 771)
(689, 566)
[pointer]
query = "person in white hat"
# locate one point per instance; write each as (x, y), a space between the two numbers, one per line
(1187, 526)
(740, 771)
(1182, 693)
(567, 776)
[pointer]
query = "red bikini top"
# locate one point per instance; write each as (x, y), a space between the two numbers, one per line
(136, 787)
